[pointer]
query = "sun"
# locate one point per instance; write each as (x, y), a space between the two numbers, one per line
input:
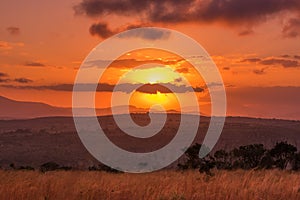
(142, 100)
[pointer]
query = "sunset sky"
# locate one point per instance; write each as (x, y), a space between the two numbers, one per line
(254, 43)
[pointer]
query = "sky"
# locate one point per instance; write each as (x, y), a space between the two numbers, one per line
(254, 43)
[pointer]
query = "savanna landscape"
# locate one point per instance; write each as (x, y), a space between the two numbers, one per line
(149, 99)
(43, 158)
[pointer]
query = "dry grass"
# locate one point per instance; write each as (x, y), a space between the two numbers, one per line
(158, 185)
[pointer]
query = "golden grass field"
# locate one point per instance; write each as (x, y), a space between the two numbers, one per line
(175, 185)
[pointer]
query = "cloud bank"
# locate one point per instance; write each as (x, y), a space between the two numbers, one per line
(247, 13)
(125, 87)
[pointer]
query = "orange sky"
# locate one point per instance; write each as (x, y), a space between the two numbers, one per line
(43, 43)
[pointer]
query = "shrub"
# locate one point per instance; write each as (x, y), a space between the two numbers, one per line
(49, 166)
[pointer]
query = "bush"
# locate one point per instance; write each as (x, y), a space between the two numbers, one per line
(49, 166)
(27, 168)
(104, 168)
(245, 157)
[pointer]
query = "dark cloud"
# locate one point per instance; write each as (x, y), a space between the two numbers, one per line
(4, 80)
(292, 28)
(183, 70)
(230, 12)
(101, 29)
(297, 57)
(167, 88)
(252, 60)
(261, 71)
(178, 80)
(153, 89)
(22, 80)
(283, 62)
(285, 56)
(147, 33)
(3, 75)
(226, 68)
(13, 30)
(34, 64)
(246, 32)
(104, 87)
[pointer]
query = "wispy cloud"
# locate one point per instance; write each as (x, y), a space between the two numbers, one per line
(261, 71)
(128, 63)
(102, 30)
(285, 61)
(104, 87)
(34, 64)
(12, 30)
(23, 80)
(292, 28)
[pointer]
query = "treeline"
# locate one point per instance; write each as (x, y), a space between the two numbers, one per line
(53, 166)
(256, 156)
(282, 156)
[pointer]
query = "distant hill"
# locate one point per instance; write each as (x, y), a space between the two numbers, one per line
(12, 109)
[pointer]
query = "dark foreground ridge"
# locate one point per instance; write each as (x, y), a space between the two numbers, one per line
(34, 142)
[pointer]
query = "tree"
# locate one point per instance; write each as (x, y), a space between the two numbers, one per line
(249, 156)
(283, 153)
(49, 166)
(222, 160)
(296, 162)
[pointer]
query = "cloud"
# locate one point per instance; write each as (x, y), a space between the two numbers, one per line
(226, 68)
(261, 71)
(183, 70)
(3, 75)
(297, 57)
(104, 87)
(34, 64)
(128, 63)
(101, 29)
(178, 80)
(3, 80)
(292, 28)
(246, 32)
(282, 62)
(22, 80)
(13, 30)
(230, 12)
(167, 88)
(147, 34)
(251, 60)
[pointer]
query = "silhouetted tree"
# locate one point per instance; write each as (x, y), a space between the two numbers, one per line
(283, 153)
(49, 166)
(104, 168)
(267, 161)
(249, 156)
(27, 168)
(222, 160)
(296, 162)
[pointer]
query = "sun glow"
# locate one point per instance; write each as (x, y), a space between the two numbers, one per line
(145, 74)
(142, 100)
